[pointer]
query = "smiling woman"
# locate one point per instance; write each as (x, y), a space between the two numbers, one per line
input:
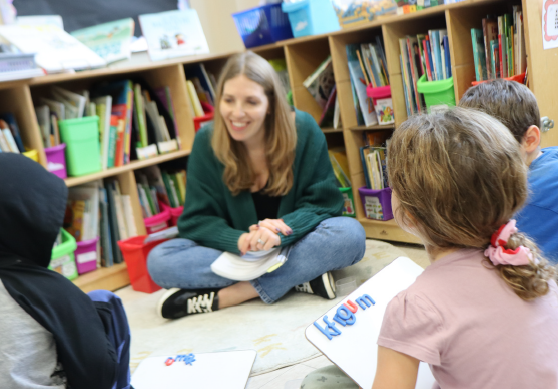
(259, 178)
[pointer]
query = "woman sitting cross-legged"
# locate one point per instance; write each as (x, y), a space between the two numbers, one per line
(259, 178)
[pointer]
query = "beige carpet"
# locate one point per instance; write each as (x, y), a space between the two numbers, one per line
(275, 331)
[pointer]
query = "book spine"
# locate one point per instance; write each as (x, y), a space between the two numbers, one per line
(448, 57)
(486, 49)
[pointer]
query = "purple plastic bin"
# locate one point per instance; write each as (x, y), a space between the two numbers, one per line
(56, 160)
(376, 203)
(86, 255)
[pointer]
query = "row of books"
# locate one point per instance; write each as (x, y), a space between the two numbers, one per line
(499, 47)
(374, 159)
(160, 186)
(100, 209)
(321, 85)
(201, 86)
(10, 137)
(423, 55)
(135, 122)
(367, 66)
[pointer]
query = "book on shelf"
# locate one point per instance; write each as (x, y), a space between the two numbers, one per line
(200, 78)
(321, 82)
(82, 212)
(338, 158)
(10, 123)
(328, 112)
(55, 49)
(173, 34)
(280, 67)
(194, 99)
(110, 41)
(358, 82)
(479, 54)
(503, 42)
(107, 254)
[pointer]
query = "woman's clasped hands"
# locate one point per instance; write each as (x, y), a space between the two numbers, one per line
(263, 236)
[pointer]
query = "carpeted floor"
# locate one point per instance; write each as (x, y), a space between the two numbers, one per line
(275, 331)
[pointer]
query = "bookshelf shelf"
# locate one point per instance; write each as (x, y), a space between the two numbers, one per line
(374, 128)
(303, 56)
(331, 130)
(134, 165)
(387, 230)
(110, 278)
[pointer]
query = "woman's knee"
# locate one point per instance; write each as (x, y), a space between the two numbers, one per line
(160, 256)
(349, 233)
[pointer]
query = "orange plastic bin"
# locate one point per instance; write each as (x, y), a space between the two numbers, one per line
(517, 78)
(135, 254)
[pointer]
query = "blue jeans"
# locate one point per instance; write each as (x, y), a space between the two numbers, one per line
(335, 243)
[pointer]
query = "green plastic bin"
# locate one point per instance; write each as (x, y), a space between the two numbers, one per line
(62, 258)
(438, 95)
(349, 202)
(82, 145)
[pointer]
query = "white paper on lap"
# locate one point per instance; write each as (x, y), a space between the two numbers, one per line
(355, 350)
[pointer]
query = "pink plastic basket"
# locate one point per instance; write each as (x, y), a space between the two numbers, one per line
(158, 222)
(56, 160)
(175, 214)
(381, 92)
(86, 255)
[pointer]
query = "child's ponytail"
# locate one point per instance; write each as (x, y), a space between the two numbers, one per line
(520, 262)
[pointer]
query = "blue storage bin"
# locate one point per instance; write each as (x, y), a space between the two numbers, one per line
(311, 17)
(262, 25)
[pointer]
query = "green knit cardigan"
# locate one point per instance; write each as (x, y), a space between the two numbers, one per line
(214, 218)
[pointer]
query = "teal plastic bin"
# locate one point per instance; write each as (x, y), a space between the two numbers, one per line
(81, 136)
(311, 17)
(438, 95)
(62, 259)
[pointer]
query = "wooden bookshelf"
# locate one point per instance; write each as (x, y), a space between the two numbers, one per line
(303, 56)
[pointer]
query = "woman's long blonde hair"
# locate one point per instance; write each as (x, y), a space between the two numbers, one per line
(459, 176)
(280, 130)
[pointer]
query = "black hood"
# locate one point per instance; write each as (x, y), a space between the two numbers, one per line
(32, 206)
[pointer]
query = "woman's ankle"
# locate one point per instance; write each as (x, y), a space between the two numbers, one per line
(236, 294)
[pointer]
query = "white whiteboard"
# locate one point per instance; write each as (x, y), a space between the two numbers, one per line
(355, 350)
(210, 370)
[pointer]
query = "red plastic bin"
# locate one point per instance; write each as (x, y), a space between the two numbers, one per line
(135, 254)
(518, 78)
(209, 110)
(175, 214)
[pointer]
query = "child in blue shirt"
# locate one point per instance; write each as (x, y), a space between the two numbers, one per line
(516, 106)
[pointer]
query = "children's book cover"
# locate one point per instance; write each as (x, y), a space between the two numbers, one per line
(321, 82)
(111, 41)
(173, 34)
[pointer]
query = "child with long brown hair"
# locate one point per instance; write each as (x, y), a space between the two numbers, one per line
(259, 178)
(484, 314)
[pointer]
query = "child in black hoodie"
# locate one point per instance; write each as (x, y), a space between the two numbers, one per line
(52, 334)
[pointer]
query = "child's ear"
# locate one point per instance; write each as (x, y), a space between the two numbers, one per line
(531, 139)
